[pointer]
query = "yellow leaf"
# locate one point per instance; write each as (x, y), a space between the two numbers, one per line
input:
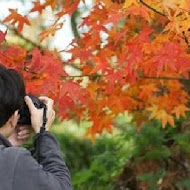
(174, 4)
(170, 4)
(153, 111)
(129, 3)
(165, 118)
(169, 119)
(180, 111)
(161, 115)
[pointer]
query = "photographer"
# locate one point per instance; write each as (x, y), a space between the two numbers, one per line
(18, 169)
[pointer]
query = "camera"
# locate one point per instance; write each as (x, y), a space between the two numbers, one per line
(25, 113)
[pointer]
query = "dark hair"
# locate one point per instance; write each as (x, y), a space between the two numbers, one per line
(12, 92)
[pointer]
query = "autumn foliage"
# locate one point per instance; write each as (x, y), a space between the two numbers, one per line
(135, 55)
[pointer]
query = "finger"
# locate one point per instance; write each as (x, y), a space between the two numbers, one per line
(23, 127)
(44, 99)
(24, 137)
(30, 104)
(20, 133)
(51, 102)
(28, 128)
(53, 114)
(24, 132)
(48, 101)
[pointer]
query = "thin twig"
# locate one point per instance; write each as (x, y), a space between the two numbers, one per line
(87, 75)
(153, 9)
(185, 38)
(165, 78)
(14, 30)
(143, 77)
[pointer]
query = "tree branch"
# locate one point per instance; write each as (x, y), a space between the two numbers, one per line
(27, 40)
(74, 23)
(14, 30)
(165, 78)
(143, 77)
(92, 75)
(153, 9)
(186, 39)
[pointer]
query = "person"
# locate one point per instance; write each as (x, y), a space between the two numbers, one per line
(18, 169)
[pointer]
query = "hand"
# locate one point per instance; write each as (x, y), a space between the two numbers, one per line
(20, 135)
(37, 114)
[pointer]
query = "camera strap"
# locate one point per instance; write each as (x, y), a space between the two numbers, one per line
(43, 127)
(42, 130)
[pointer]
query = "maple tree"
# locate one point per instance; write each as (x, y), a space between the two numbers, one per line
(134, 53)
(139, 67)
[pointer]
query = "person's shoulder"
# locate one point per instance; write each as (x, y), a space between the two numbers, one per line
(20, 151)
(10, 156)
(13, 152)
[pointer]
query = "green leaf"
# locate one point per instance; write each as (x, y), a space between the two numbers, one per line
(159, 153)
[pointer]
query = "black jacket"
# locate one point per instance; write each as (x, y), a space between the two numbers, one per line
(20, 171)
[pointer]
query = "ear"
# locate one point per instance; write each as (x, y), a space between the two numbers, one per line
(14, 119)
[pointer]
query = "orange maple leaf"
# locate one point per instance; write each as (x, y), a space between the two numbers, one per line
(147, 90)
(50, 31)
(129, 3)
(162, 115)
(14, 17)
(37, 7)
(180, 111)
(115, 17)
(99, 125)
(69, 7)
(40, 7)
(165, 118)
(74, 91)
(139, 11)
(51, 3)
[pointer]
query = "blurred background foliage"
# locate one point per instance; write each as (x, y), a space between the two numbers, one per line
(130, 158)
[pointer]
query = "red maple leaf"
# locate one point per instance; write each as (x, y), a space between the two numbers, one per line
(38, 7)
(65, 104)
(14, 17)
(69, 7)
(115, 17)
(74, 91)
(2, 36)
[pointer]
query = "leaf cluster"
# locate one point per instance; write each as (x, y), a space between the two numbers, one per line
(133, 56)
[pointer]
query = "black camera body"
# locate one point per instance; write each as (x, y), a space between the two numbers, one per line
(25, 113)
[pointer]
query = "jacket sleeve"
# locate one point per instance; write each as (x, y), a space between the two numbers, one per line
(49, 173)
